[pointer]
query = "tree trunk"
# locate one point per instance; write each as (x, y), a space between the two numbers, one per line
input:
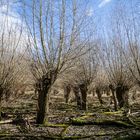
(43, 101)
(1, 94)
(41, 112)
(77, 96)
(47, 102)
(99, 95)
(83, 89)
(114, 99)
(67, 90)
(122, 96)
(0, 107)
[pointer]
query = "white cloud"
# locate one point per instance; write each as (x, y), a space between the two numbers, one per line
(89, 12)
(103, 3)
(11, 22)
(8, 16)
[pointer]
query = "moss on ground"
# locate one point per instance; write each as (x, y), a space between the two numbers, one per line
(55, 125)
(83, 121)
(133, 137)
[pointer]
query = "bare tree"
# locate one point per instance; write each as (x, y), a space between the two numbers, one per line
(56, 29)
(132, 36)
(10, 66)
(123, 52)
(118, 73)
(81, 76)
(100, 83)
(88, 69)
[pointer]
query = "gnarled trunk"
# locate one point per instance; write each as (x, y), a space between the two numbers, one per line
(0, 107)
(41, 112)
(114, 97)
(83, 89)
(115, 101)
(1, 93)
(43, 100)
(77, 96)
(67, 90)
(99, 95)
(122, 96)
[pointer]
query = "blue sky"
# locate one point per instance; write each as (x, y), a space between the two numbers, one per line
(97, 8)
(100, 10)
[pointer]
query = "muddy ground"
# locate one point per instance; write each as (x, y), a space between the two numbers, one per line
(66, 122)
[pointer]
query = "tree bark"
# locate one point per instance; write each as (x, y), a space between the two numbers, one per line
(114, 97)
(77, 96)
(67, 90)
(99, 95)
(1, 93)
(0, 107)
(122, 96)
(43, 101)
(41, 112)
(83, 89)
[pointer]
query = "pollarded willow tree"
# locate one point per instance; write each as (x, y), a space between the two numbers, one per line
(100, 84)
(122, 53)
(11, 68)
(86, 73)
(131, 27)
(57, 39)
(119, 76)
(80, 77)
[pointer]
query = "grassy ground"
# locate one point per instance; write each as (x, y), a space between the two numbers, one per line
(66, 122)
